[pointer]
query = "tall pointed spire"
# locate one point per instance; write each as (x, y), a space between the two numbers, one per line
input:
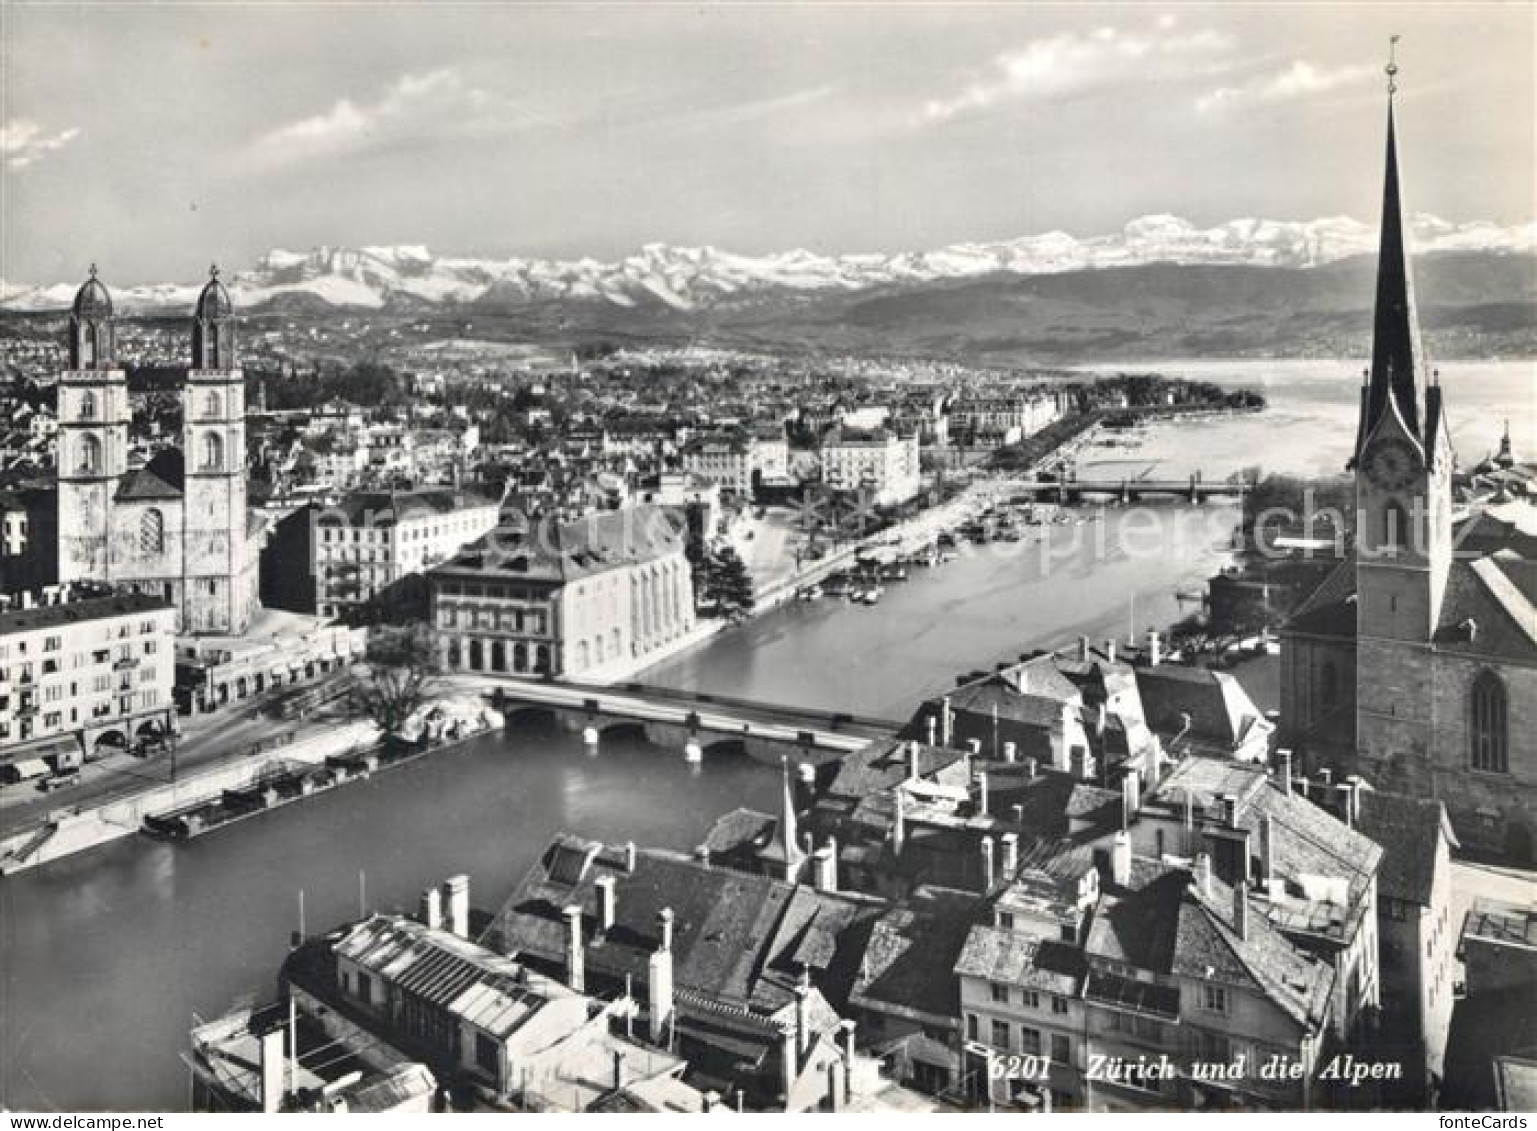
(1399, 370)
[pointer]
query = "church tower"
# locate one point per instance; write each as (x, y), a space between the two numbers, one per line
(216, 547)
(1403, 473)
(93, 412)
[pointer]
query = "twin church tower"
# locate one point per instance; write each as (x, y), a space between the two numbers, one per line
(178, 527)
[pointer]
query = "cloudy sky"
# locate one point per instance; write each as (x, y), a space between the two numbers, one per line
(155, 138)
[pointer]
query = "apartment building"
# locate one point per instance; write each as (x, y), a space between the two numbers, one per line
(84, 671)
(373, 540)
(880, 463)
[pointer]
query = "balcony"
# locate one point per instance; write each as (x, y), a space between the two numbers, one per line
(127, 663)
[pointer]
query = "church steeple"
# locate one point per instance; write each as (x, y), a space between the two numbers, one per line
(1399, 372)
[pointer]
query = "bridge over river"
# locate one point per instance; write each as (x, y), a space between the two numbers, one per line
(689, 721)
(1193, 489)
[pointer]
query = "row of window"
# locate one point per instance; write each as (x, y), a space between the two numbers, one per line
(1032, 1042)
(1030, 999)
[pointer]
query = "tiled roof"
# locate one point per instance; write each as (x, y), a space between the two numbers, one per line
(737, 938)
(569, 551)
(1016, 959)
(79, 609)
(144, 485)
(906, 967)
(882, 764)
(1409, 829)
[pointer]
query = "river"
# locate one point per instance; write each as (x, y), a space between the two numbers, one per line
(107, 956)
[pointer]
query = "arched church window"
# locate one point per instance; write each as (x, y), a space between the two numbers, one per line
(90, 454)
(213, 452)
(1395, 527)
(88, 405)
(211, 404)
(1487, 716)
(152, 532)
(87, 346)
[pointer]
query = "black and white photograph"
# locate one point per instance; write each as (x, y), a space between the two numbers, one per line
(767, 557)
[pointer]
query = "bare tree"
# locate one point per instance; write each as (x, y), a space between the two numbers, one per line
(402, 662)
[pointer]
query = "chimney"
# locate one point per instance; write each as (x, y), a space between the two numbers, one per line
(430, 911)
(1230, 810)
(1110, 650)
(1031, 768)
(982, 795)
(1326, 777)
(912, 761)
(803, 1014)
(618, 1070)
(1266, 852)
(1284, 769)
(825, 870)
(933, 723)
(1241, 910)
(946, 722)
(1304, 787)
(1010, 855)
(1120, 859)
(456, 904)
(1084, 652)
(629, 857)
(659, 978)
(1154, 650)
(273, 1067)
(789, 1061)
(987, 864)
(1203, 873)
(711, 1102)
(846, 1031)
(576, 975)
(606, 903)
(899, 822)
(974, 747)
(837, 1091)
(1010, 752)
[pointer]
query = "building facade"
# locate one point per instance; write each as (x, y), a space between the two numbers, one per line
(92, 668)
(565, 599)
(882, 463)
(1412, 664)
(178, 527)
(370, 542)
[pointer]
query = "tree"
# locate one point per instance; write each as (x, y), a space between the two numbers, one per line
(728, 583)
(402, 662)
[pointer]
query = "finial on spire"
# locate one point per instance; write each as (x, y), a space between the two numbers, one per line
(93, 270)
(1392, 67)
(213, 270)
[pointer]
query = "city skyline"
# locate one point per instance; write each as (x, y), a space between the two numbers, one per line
(518, 131)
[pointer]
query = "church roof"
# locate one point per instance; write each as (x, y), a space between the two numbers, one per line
(1398, 371)
(214, 304)
(143, 485)
(92, 299)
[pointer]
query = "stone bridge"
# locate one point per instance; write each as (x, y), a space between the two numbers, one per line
(690, 722)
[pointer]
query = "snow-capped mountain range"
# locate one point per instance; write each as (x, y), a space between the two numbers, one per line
(689, 278)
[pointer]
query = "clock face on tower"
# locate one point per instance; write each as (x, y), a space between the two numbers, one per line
(1391, 464)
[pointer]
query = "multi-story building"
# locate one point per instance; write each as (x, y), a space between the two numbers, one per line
(84, 671)
(566, 598)
(1417, 936)
(992, 420)
(882, 464)
(363, 547)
